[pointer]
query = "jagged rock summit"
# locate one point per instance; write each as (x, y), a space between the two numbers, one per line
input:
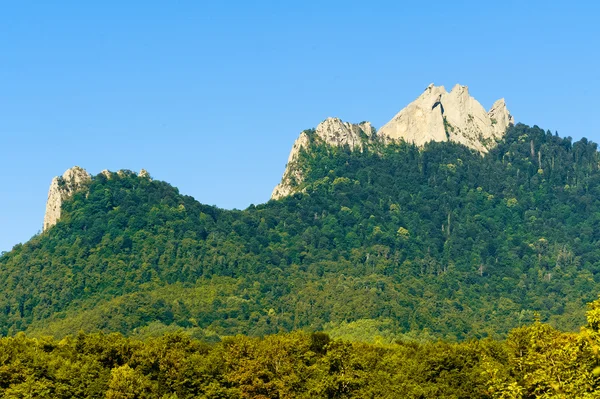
(61, 188)
(332, 131)
(436, 115)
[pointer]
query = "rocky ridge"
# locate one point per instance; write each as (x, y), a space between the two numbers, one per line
(63, 187)
(436, 115)
(332, 131)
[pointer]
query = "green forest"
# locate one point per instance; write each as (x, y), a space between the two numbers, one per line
(394, 271)
(534, 361)
(390, 243)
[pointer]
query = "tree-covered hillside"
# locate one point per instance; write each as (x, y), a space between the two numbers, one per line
(394, 241)
(535, 361)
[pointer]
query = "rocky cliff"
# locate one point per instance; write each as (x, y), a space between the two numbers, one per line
(61, 188)
(332, 131)
(72, 181)
(436, 115)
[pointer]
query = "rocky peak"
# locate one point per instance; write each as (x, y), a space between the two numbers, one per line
(336, 132)
(437, 115)
(332, 131)
(144, 173)
(62, 188)
(421, 121)
(500, 117)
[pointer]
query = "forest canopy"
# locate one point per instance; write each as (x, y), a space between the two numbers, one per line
(535, 361)
(394, 241)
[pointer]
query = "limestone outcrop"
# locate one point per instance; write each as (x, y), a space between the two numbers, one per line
(74, 180)
(437, 115)
(332, 131)
(62, 188)
(338, 133)
(420, 122)
(500, 117)
(144, 173)
(292, 175)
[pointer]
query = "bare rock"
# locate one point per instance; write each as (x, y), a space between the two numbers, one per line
(500, 117)
(437, 115)
(420, 122)
(336, 132)
(292, 175)
(332, 131)
(62, 188)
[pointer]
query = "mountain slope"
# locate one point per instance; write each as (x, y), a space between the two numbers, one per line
(391, 239)
(435, 116)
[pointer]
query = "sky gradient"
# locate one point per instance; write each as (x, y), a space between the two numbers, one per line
(210, 96)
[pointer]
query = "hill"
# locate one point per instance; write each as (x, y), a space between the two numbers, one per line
(394, 240)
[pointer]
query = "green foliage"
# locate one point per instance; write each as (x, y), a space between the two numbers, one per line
(535, 361)
(396, 240)
(387, 249)
(291, 365)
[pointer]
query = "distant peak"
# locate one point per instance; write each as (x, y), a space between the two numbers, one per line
(432, 87)
(459, 118)
(332, 131)
(436, 115)
(62, 188)
(125, 172)
(338, 133)
(73, 180)
(499, 103)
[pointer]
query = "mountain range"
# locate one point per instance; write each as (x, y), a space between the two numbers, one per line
(449, 221)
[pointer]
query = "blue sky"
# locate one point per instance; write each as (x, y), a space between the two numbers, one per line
(210, 96)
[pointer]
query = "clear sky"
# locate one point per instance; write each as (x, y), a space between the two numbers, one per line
(210, 95)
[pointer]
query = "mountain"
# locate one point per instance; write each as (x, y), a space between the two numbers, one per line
(332, 132)
(456, 116)
(62, 188)
(435, 116)
(377, 237)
